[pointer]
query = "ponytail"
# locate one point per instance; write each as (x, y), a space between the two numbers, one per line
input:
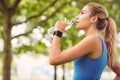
(110, 39)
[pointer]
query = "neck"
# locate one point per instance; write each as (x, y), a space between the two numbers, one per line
(92, 31)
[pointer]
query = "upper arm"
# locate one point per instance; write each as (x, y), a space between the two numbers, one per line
(87, 45)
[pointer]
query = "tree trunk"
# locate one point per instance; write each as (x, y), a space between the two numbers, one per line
(7, 55)
(55, 72)
(63, 67)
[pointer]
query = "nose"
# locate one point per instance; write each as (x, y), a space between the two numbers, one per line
(77, 17)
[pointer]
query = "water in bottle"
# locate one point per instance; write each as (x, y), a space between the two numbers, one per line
(52, 29)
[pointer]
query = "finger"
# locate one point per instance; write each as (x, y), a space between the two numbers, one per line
(65, 20)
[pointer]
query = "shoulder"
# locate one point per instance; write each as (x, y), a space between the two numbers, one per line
(91, 42)
(95, 45)
(84, 47)
(91, 39)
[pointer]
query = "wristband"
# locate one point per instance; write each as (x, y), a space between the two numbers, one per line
(58, 33)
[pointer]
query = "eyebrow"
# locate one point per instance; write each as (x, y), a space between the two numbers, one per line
(82, 10)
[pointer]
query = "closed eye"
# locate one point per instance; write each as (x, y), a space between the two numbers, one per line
(82, 12)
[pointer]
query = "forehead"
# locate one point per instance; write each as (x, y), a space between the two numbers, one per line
(86, 9)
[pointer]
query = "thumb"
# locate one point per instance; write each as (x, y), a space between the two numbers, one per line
(65, 20)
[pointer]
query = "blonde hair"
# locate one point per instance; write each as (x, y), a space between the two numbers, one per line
(107, 23)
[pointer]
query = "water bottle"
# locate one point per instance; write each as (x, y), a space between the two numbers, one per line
(52, 29)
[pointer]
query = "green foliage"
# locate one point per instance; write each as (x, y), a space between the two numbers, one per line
(59, 11)
(67, 11)
(1, 30)
(118, 51)
(37, 49)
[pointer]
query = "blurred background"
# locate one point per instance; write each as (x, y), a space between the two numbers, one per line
(25, 43)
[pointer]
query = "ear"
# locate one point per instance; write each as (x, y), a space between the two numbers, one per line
(93, 19)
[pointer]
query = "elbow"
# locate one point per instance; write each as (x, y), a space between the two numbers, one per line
(53, 62)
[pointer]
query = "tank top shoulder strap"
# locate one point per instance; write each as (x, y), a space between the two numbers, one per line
(102, 42)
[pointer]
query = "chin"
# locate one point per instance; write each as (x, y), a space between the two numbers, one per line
(78, 28)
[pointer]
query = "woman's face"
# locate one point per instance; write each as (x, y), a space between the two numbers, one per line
(83, 19)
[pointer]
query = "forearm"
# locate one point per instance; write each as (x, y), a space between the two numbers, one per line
(55, 49)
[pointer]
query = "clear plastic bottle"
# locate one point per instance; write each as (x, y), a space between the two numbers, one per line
(52, 29)
(69, 24)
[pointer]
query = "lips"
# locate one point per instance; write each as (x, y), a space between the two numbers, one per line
(77, 22)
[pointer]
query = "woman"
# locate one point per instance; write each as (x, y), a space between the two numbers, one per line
(90, 55)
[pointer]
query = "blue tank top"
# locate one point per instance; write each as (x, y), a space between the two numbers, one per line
(86, 68)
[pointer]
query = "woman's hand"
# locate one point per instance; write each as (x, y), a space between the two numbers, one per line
(117, 78)
(116, 70)
(61, 25)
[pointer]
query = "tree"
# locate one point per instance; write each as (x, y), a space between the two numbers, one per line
(10, 9)
(7, 12)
